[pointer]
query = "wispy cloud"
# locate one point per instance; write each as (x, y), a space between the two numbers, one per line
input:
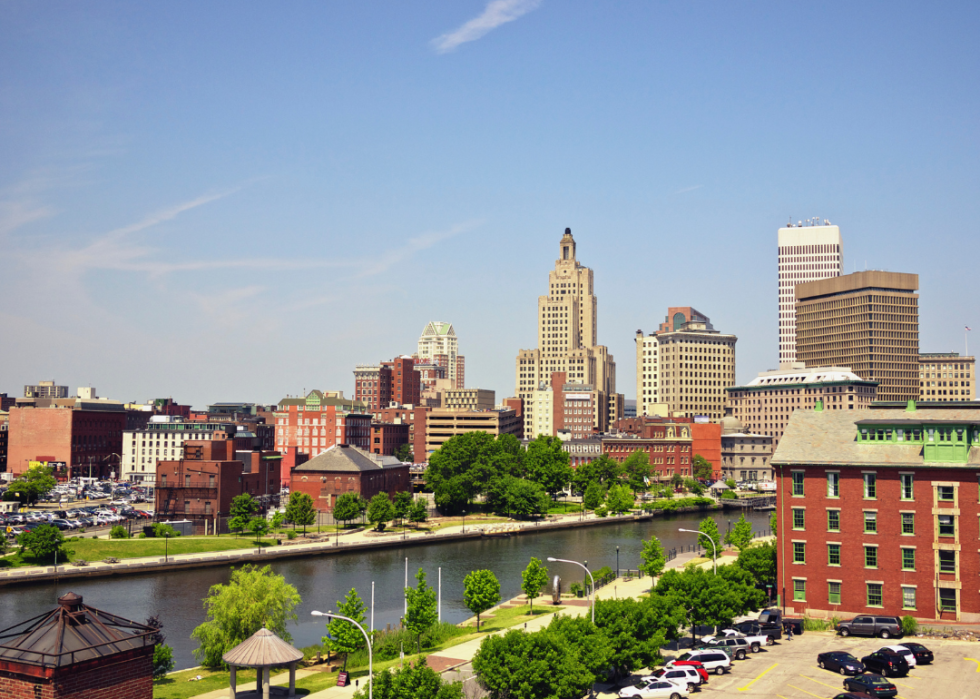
(688, 189)
(496, 13)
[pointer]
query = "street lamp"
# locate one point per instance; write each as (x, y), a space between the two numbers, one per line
(586, 569)
(617, 561)
(331, 615)
(714, 549)
(166, 547)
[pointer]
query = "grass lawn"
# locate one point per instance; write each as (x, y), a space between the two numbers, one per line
(475, 520)
(177, 685)
(561, 508)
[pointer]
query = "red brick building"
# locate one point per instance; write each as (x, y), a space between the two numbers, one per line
(211, 474)
(317, 422)
(386, 437)
(344, 469)
(379, 385)
(415, 417)
(706, 442)
(77, 652)
(878, 511)
(85, 436)
(668, 443)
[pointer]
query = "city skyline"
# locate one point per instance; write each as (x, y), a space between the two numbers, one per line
(171, 208)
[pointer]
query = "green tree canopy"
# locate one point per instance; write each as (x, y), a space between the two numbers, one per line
(259, 527)
(709, 530)
(546, 463)
(773, 521)
(594, 495)
(418, 512)
(759, 562)
(33, 483)
(693, 486)
(539, 665)
(243, 508)
(422, 608)
(653, 556)
(481, 591)
(465, 466)
(534, 577)
(619, 499)
(601, 470)
(380, 511)
(701, 467)
(348, 506)
(637, 470)
(740, 535)
(635, 630)
(253, 598)
(404, 453)
(411, 682)
(300, 509)
(44, 542)
(710, 599)
(343, 636)
(595, 649)
(402, 504)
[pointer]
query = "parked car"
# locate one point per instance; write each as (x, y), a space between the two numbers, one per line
(738, 647)
(886, 662)
(755, 642)
(772, 620)
(679, 674)
(691, 663)
(852, 695)
(652, 687)
(714, 661)
(872, 685)
(838, 660)
(884, 626)
(923, 656)
(904, 652)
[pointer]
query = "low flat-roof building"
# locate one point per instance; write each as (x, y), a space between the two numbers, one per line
(946, 376)
(442, 425)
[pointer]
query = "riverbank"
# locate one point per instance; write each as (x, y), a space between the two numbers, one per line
(345, 543)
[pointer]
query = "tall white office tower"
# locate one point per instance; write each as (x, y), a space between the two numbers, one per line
(808, 251)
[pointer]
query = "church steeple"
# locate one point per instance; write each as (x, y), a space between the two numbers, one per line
(567, 247)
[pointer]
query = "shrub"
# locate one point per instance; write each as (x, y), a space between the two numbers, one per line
(142, 535)
(118, 532)
(576, 589)
(601, 511)
(910, 626)
(728, 495)
(291, 534)
(163, 660)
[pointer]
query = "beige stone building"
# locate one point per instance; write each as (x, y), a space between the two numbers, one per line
(945, 376)
(439, 345)
(442, 424)
(468, 399)
(808, 251)
(868, 321)
(567, 337)
(765, 404)
(744, 456)
(683, 368)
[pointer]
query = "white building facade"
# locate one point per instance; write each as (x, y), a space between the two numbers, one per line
(162, 440)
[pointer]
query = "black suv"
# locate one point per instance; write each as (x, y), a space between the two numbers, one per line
(884, 626)
(886, 662)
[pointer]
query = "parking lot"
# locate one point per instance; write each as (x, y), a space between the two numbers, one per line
(788, 670)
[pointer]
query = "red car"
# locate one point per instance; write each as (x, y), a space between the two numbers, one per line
(692, 663)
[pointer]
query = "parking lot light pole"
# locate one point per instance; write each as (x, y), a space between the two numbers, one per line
(714, 548)
(585, 568)
(367, 638)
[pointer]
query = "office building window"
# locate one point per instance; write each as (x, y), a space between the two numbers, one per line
(833, 554)
(945, 492)
(870, 522)
(947, 561)
(905, 480)
(870, 556)
(833, 592)
(908, 598)
(947, 599)
(946, 526)
(908, 559)
(870, 485)
(833, 520)
(799, 518)
(874, 594)
(797, 483)
(908, 523)
(799, 590)
(833, 485)
(799, 552)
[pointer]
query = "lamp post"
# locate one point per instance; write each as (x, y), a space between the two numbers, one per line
(166, 547)
(586, 569)
(367, 638)
(714, 549)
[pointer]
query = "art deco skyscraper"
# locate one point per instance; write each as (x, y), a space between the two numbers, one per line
(567, 331)
(438, 345)
(807, 252)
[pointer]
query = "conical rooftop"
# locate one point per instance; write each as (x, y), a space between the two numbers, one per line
(261, 649)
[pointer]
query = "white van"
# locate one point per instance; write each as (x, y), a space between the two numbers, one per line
(713, 660)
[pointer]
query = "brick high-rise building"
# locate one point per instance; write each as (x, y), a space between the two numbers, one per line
(439, 345)
(567, 321)
(806, 252)
(396, 381)
(868, 321)
(684, 367)
(946, 376)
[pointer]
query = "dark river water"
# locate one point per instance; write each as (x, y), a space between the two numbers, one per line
(323, 580)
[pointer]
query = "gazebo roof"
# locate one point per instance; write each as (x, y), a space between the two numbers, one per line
(72, 633)
(262, 649)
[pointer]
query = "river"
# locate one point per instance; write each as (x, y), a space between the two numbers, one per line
(323, 580)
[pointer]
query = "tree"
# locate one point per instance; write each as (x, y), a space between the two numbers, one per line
(44, 543)
(403, 503)
(701, 468)
(773, 521)
(709, 530)
(422, 610)
(594, 495)
(466, 465)
(677, 480)
(637, 471)
(539, 665)
(595, 649)
(243, 508)
(412, 682)
(619, 499)
(259, 527)
(300, 510)
(481, 591)
(380, 511)
(343, 636)
(693, 486)
(710, 599)
(277, 519)
(740, 535)
(418, 512)
(730, 482)
(32, 484)
(759, 562)
(526, 498)
(348, 506)
(404, 454)
(118, 532)
(253, 598)
(602, 470)
(162, 530)
(546, 464)
(635, 630)
(654, 558)
(534, 577)
(163, 655)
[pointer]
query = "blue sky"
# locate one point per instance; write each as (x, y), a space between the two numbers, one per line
(238, 201)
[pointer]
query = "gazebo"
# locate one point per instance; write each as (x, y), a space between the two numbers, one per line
(263, 651)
